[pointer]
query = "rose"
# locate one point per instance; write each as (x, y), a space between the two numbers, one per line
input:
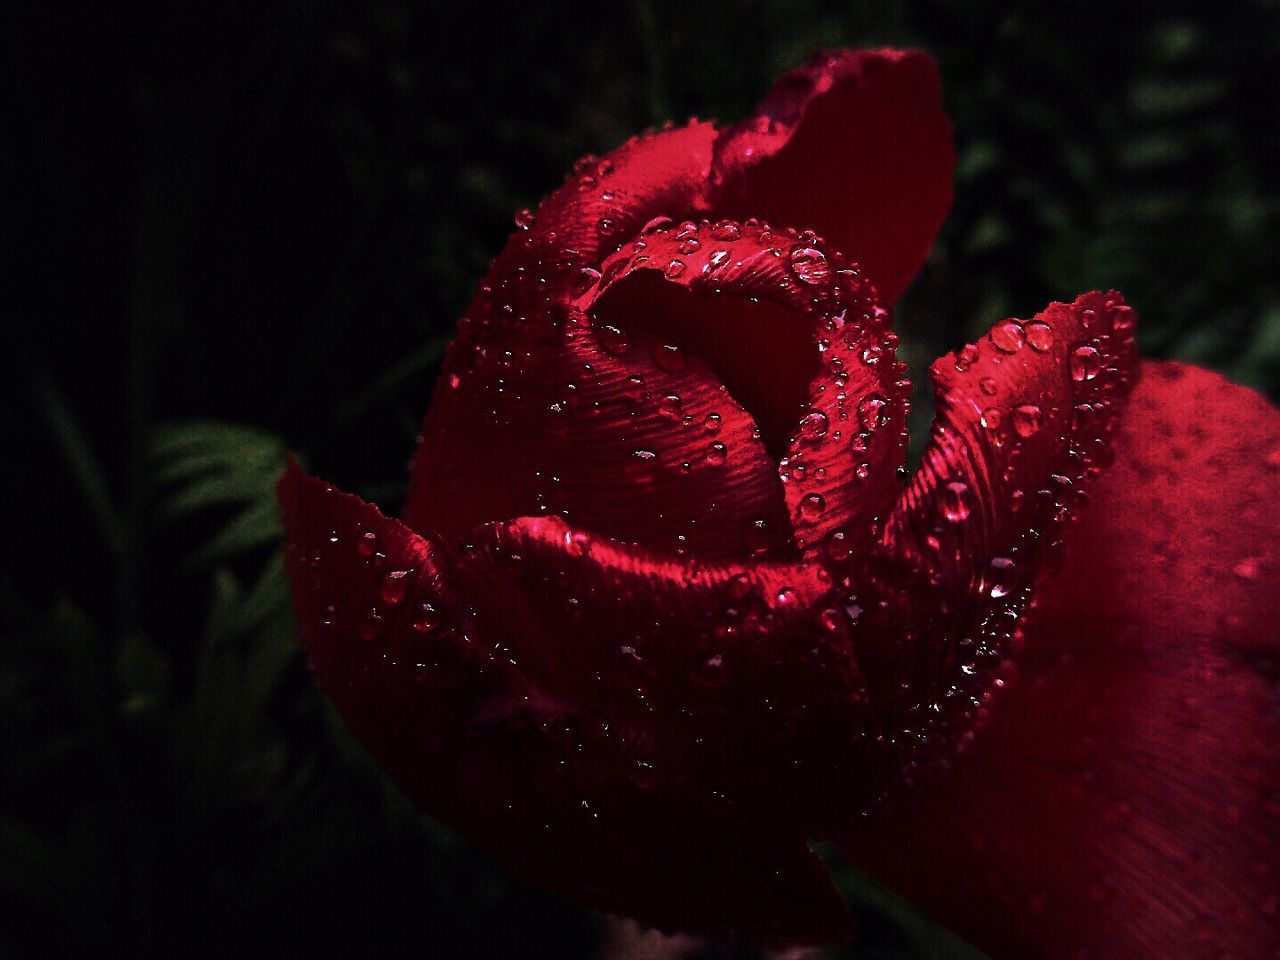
(660, 611)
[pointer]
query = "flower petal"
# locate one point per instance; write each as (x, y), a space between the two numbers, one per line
(793, 333)
(1125, 800)
(854, 144)
(634, 732)
(504, 368)
(1022, 424)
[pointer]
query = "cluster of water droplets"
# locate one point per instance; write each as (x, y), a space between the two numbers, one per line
(1025, 419)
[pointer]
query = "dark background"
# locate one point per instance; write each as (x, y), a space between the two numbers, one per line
(234, 228)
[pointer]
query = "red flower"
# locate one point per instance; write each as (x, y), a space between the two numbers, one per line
(660, 610)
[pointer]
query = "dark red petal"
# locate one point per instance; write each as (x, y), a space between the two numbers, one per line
(795, 335)
(1125, 800)
(626, 729)
(1022, 424)
(505, 369)
(854, 144)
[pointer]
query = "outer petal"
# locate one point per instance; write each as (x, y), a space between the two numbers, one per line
(855, 145)
(1125, 801)
(634, 732)
(1022, 427)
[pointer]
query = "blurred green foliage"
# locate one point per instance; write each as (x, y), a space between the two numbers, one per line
(241, 228)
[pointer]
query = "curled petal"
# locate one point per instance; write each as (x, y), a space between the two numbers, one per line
(634, 732)
(854, 144)
(792, 332)
(1022, 428)
(504, 370)
(1125, 799)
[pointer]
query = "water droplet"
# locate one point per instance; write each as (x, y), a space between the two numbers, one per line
(394, 586)
(991, 418)
(586, 279)
(1007, 336)
(873, 411)
(1026, 419)
(367, 545)
(1039, 335)
(612, 339)
(837, 546)
(656, 224)
(726, 230)
(670, 357)
(813, 426)
(1086, 362)
(425, 618)
(642, 466)
(812, 506)
(711, 423)
(691, 245)
(717, 454)
(966, 357)
(988, 386)
(786, 597)
(758, 537)
(1001, 568)
(525, 219)
(810, 265)
(674, 268)
(955, 501)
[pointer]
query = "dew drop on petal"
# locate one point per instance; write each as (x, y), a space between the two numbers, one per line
(612, 339)
(670, 357)
(837, 546)
(812, 506)
(810, 265)
(394, 586)
(1007, 336)
(726, 230)
(1026, 419)
(872, 411)
(425, 618)
(955, 501)
(717, 454)
(813, 426)
(1086, 363)
(1039, 336)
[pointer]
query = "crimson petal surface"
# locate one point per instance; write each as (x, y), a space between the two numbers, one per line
(633, 731)
(1125, 800)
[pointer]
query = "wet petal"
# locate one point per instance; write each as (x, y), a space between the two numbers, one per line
(1125, 800)
(504, 369)
(854, 145)
(626, 729)
(1022, 428)
(794, 334)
